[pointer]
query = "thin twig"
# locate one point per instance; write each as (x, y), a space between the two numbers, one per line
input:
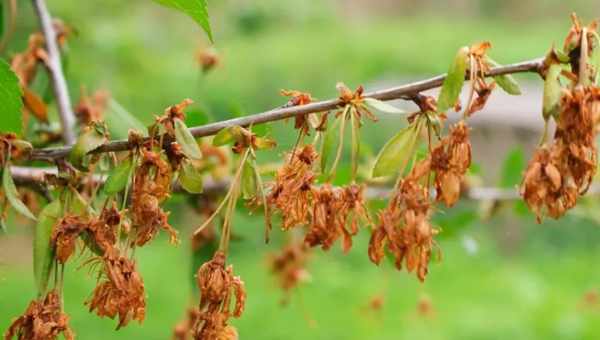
(55, 69)
(400, 92)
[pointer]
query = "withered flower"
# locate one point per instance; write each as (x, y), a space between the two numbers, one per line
(404, 225)
(289, 265)
(90, 109)
(478, 68)
(207, 58)
(291, 192)
(218, 286)
(151, 186)
(183, 329)
(355, 100)
(559, 173)
(121, 291)
(450, 160)
(335, 212)
(43, 320)
(298, 98)
(65, 235)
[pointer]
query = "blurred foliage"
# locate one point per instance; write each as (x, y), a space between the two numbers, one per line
(503, 277)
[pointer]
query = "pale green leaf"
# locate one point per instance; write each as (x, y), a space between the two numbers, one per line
(328, 142)
(186, 140)
(227, 136)
(87, 141)
(248, 180)
(396, 153)
(196, 9)
(43, 251)
(190, 178)
(120, 121)
(382, 106)
(552, 92)
(118, 177)
(454, 81)
(10, 190)
(506, 81)
(10, 100)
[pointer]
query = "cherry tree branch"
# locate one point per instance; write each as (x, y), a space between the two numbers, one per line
(55, 70)
(399, 92)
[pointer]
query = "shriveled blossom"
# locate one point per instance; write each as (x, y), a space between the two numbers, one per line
(563, 170)
(151, 186)
(291, 192)
(218, 287)
(120, 292)
(289, 265)
(404, 225)
(478, 68)
(335, 213)
(65, 235)
(183, 329)
(450, 160)
(44, 319)
(91, 108)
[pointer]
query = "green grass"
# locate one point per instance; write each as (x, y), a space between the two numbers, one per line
(534, 291)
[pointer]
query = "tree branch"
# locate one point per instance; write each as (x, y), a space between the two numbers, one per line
(55, 70)
(400, 92)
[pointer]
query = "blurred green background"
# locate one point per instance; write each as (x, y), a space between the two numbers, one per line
(502, 277)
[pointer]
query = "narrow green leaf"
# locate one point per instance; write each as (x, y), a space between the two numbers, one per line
(396, 153)
(552, 92)
(196, 9)
(120, 121)
(191, 178)
(328, 142)
(595, 59)
(506, 81)
(227, 136)
(248, 180)
(87, 141)
(118, 177)
(382, 106)
(10, 190)
(454, 81)
(264, 143)
(512, 168)
(43, 251)
(10, 100)
(186, 140)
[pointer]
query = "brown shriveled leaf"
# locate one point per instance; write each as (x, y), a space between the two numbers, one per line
(36, 105)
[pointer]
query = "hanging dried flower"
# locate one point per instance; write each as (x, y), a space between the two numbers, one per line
(291, 192)
(404, 225)
(90, 109)
(289, 265)
(450, 161)
(218, 286)
(65, 235)
(121, 291)
(43, 320)
(151, 186)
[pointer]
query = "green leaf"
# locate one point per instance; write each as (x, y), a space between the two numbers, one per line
(118, 177)
(595, 59)
(506, 81)
(186, 140)
(10, 100)
(119, 121)
(396, 153)
(382, 106)
(10, 190)
(248, 180)
(552, 92)
(227, 136)
(328, 142)
(454, 81)
(512, 168)
(355, 146)
(264, 143)
(87, 141)
(43, 251)
(191, 178)
(196, 9)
